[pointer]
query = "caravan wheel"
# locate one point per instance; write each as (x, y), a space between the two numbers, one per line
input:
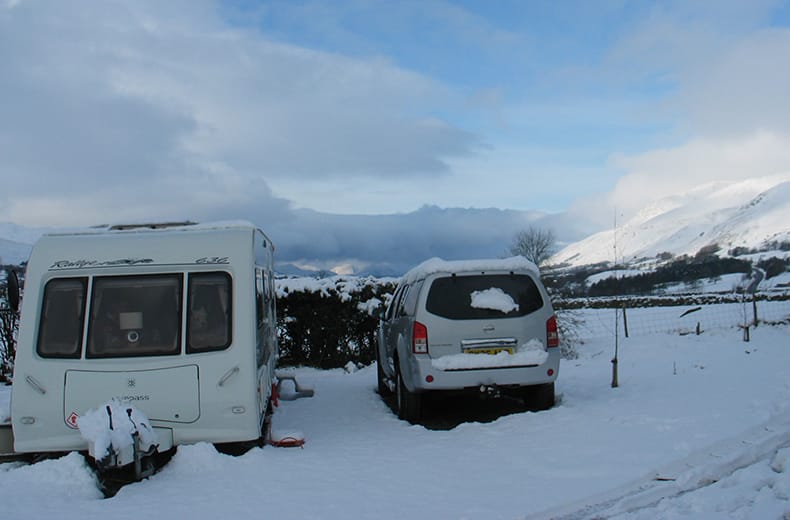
(110, 481)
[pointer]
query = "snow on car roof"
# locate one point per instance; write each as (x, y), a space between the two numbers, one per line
(438, 265)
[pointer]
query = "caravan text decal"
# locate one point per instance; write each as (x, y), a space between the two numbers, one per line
(80, 264)
(87, 264)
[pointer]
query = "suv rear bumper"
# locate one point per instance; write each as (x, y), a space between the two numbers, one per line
(420, 370)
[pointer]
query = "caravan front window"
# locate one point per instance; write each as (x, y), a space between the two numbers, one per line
(62, 315)
(135, 316)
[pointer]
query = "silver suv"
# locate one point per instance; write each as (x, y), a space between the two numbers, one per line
(481, 325)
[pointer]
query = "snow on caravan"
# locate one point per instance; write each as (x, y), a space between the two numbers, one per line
(176, 321)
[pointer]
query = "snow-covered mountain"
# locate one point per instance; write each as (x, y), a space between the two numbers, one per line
(13, 253)
(750, 213)
(16, 242)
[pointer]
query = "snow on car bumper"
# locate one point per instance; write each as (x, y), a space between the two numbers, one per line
(423, 375)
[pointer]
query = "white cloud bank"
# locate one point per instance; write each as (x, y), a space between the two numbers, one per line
(658, 174)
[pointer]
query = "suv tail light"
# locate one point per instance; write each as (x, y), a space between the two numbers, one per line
(552, 336)
(419, 338)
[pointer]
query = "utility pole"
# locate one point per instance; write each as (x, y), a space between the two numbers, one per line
(615, 382)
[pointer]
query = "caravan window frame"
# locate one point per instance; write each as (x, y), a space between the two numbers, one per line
(83, 341)
(44, 347)
(192, 317)
(123, 345)
(449, 296)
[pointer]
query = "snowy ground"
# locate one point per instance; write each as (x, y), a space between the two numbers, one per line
(688, 408)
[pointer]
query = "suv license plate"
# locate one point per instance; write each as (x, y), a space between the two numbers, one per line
(492, 351)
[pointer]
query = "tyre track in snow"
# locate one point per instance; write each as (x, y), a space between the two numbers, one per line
(700, 469)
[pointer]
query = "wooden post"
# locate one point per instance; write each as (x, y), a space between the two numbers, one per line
(615, 382)
(625, 321)
(754, 308)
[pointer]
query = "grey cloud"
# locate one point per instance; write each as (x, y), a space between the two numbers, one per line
(384, 245)
(391, 244)
(62, 142)
(61, 129)
(107, 99)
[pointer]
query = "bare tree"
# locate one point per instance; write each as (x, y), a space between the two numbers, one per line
(9, 324)
(535, 244)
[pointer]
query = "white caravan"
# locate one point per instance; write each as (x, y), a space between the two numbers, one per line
(176, 319)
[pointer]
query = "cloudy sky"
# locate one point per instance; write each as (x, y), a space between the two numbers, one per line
(377, 133)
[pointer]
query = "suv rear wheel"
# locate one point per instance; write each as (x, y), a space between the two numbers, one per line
(408, 404)
(538, 397)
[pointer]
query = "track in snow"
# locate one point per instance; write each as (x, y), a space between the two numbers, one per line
(701, 469)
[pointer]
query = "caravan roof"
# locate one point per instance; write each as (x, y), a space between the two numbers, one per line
(152, 226)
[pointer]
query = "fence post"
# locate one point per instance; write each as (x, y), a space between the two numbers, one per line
(746, 333)
(625, 321)
(615, 380)
(754, 308)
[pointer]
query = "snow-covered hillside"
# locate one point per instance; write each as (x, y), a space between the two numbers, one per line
(13, 253)
(16, 242)
(748, 213)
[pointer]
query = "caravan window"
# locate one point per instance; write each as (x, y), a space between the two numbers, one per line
(259, 297)
(135, 316)
(62, 316)
(266, 322)
(209, 320)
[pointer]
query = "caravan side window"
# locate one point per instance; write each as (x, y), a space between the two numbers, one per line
(259, 297)
(135, 316)
(209, 319)
(62, 318)
(265, 317)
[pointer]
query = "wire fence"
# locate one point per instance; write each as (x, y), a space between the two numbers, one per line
(674, 317)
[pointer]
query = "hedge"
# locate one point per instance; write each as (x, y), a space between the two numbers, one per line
(329, 322)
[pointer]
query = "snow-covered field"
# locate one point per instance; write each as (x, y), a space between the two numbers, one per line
(728, 283)
(711, 412)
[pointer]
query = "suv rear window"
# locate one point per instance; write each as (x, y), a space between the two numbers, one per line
(483, 296)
